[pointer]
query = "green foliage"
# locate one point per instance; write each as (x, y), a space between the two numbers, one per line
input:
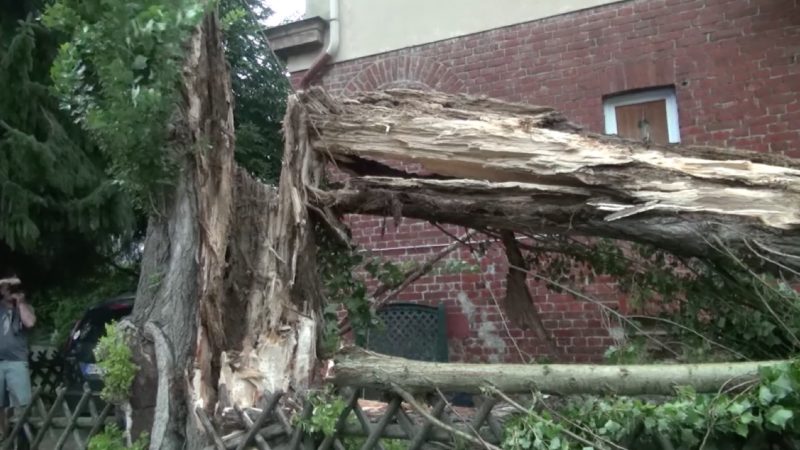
(259, 85)
(721, 298)
(343, 288)
(115, 359)
(387, 272)
(54, 193)
(632, 352)
(534, 432)
(452, 266)
(759, 413)
(112, 438)
(117, 76)
(328, 407)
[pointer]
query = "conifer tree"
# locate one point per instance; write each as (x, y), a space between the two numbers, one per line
(61, 214)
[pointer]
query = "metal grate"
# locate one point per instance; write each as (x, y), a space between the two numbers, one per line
(410, 331)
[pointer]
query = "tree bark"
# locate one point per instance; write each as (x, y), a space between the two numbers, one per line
(491, 164)
(180, 286)
(228, 280)
(360, 368)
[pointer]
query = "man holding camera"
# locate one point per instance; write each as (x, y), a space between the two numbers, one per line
(16, 317)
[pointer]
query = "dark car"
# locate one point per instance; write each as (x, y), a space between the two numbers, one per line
(80, 365)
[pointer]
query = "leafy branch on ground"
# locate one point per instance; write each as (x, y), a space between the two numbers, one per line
(327, 408)
(754, 415)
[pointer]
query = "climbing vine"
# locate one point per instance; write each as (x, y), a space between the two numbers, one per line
(343, 270)
(719, 299)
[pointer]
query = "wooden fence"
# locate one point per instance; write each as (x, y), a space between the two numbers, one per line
(401, 421)
(55, 425)
(57, 421)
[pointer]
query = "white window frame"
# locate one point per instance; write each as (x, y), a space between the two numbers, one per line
(667, 94)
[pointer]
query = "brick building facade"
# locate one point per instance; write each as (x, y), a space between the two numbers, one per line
(732, 66)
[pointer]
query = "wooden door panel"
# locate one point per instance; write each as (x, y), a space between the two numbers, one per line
(638, 120)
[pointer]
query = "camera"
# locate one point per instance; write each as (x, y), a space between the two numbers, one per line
(16, 289)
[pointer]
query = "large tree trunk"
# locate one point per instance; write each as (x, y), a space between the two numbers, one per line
(491, 164)
(355, 367)
(228, 299)
(180, 287)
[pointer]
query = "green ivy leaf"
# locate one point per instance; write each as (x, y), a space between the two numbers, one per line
(739, 408)
(781, 387)
(765, 396)
(778, 416)
(742, 429)
(140, 62)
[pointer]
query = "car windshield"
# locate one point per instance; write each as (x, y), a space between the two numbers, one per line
(93, 325)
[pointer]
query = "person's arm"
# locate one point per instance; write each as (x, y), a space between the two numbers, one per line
(26, 314)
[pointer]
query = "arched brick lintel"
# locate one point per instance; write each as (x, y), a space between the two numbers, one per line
(405, 71)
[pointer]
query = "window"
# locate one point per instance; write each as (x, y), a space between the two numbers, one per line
(650, 115)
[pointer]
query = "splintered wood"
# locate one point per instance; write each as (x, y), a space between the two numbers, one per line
(495, 165)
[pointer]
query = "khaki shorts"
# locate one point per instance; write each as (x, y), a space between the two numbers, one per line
(15, 379)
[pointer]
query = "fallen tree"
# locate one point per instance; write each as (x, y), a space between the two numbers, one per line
(360, 368)
(497, 165)
(228, 306)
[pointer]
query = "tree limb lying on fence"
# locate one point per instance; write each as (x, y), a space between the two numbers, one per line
(360, 368)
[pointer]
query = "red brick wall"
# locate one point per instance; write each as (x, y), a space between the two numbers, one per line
(735, 66)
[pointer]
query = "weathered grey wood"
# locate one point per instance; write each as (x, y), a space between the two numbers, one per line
(73, 418)
(98, 423)
(269, 403)
(42, 410)
(297, 434)
(366, 426)
(426, 428)
(21, 421)
(484, 412)
(26, 428)
(61, 422)
(409, 398)
(390, 412)
(406, 423)
(45, 425)
(394, 431)
(261, 443)
(356, 367)
(496, 427)
(524, 168)
(284, 421)
(233, 439)
(93, 416)
(209, 428)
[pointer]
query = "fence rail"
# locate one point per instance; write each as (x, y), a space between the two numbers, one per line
(419, 423)
(57, 426)
(57, 421)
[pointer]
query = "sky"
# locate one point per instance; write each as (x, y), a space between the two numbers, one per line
(285, 9)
